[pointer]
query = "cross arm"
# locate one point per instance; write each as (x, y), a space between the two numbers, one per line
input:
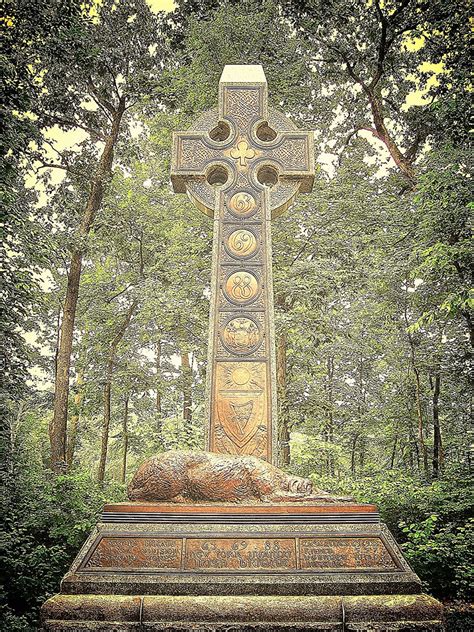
(194, 154)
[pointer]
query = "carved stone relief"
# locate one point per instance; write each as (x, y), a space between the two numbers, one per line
(234, 164)
(241, 407)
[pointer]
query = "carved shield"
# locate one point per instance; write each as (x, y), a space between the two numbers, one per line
(240, 418)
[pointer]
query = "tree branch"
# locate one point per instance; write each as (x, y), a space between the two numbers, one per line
(310, 237)
(48, 165)
(345, 59)
(347, 141)
(104, 103)
(382, 46)
(112, 74)
(402, 6)
(114, 296)
(412, 151)
(373, 131)
(47, 142)
(59, 120)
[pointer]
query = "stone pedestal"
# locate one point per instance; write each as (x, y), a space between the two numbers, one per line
(234, 567)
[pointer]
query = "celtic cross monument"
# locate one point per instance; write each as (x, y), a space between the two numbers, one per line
(242, 165)
(213, 541)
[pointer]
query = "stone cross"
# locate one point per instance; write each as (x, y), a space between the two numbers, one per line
(242, 164)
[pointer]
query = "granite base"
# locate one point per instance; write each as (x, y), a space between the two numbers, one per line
(229, 567)
(113, 612)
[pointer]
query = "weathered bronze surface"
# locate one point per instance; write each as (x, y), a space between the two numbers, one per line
(181, 476)
(133, 552)
(269, 510)
(294, 558)
(250, 554)
(241, 165)
(344, 553)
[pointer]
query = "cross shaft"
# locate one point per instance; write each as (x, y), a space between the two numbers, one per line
(242, 165)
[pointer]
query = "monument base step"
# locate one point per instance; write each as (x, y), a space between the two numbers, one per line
(249, 568)
(374, 613)
(219, 549)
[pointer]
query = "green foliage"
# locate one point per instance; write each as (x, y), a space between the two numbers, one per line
(443, 253)
(442, 555)
(45, 522)
(371, 282)
(255, 34)
(29, 29)
(432, 522)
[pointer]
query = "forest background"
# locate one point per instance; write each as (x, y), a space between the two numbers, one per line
(107, 273)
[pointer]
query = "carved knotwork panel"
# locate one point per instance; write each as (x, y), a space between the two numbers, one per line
(195, 154)
(292, 153)
(243, 105)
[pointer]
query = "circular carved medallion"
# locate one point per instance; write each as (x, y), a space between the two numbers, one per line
(241, 335)
(241, 286)
(242, 203)
(242, 243)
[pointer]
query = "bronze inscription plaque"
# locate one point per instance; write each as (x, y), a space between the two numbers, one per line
(254, 554)
(257, 554)
(344, 553)
(129, 552)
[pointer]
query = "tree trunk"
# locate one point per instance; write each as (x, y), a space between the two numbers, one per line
(470, 325)
(58, 335)
(158, 377)
(394, 452)
(186, 376)
(353, 454)
(105, 426)
(330, 415)
(362, 455)
(382, 133)
(419, 412)
(58, 426)
(437, 442)
(361, 409)
(123, 473)
(283, 413)
(72, 434)
(14, 428)
(108, 390)
(418, 402)
(416, 448)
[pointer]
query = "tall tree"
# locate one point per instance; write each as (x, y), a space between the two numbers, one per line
(110, 64)
(186, 381)
(119, 334)
(373, 54)
(30, 30)
(123, 472)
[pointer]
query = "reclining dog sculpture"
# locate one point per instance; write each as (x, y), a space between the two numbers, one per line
(182, 476)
